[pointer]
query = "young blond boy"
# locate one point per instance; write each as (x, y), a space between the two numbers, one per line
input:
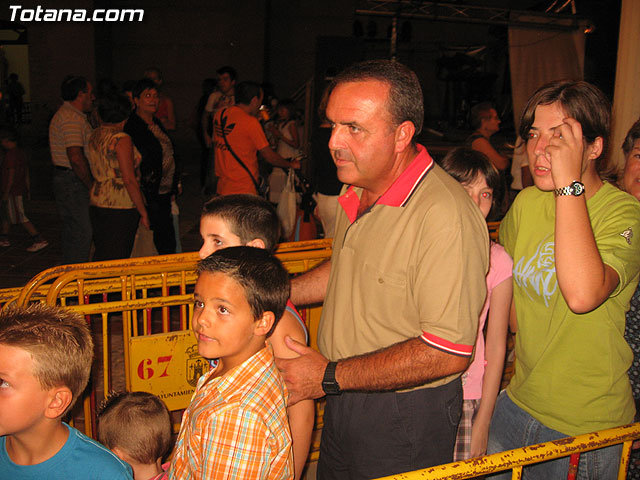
(234, 220)
(236, 424)
(45, 362)
(136, 426)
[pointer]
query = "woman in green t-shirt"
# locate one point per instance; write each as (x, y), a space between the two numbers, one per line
(575, 269)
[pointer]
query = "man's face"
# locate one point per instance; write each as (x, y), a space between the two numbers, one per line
(225, 83)
(86, 98)
(22, 399)
(631, 178)
(216, 234)
(362, 142)
(255, 104)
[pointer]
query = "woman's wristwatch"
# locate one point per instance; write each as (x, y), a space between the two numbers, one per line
(575, 189)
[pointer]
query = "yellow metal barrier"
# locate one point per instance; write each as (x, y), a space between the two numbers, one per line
(9, 296)
(494, 228)
(520, 457)
(37, 288)
(148, 299)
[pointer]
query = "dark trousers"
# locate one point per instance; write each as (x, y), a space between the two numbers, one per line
(159, 210)
(72, 199)
(370, 435)
(114, 231)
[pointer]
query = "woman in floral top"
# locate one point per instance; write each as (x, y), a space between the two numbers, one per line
(117, 204)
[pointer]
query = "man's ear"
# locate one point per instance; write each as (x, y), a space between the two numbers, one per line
(60, 398)
(264, 323)
(256, 242)
(404, 134)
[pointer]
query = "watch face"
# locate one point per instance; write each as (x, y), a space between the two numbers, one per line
(577, 188)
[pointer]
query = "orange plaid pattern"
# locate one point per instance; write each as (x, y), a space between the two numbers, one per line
(236, 426)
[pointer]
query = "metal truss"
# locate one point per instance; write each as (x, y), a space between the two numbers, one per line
(464, 13)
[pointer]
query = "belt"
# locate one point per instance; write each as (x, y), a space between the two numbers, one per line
(60, 167)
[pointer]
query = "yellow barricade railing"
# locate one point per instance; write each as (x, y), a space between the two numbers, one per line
(148, 298)
(516, 459)
(37, 288)
(494, 228)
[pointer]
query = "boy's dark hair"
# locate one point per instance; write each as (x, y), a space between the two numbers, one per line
(142, 85)
(57, 339)
(233, 75)
(247, 216)
(262, 276)
(245, 92)
(137, 423)
(114, 108)
(71, 86)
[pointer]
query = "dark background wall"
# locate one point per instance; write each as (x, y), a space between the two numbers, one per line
(284, 42)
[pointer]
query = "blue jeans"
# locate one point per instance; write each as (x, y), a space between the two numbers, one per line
(512, 427)
(72, 199)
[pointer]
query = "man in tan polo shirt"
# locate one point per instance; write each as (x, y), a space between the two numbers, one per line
(402, 291)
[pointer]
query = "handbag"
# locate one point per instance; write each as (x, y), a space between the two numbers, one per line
(262, 187)
(287, 205)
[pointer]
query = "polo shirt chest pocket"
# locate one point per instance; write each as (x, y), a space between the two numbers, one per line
(386, 281)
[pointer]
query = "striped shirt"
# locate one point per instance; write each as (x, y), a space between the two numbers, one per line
(236, 425)
(68, 128)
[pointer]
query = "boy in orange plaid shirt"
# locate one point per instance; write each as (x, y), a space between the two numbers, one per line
(236, 424)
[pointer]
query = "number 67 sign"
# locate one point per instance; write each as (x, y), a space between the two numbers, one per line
(167, 365)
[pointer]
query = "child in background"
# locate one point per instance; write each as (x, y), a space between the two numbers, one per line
(240, 219)
(136, 426)
(481, 381)
(45, 361)
(14, 187)
(236, 424)
(285, 132)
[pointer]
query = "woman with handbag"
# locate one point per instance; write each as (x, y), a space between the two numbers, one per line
(159, 180)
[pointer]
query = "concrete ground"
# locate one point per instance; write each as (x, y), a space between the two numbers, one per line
(17, 266)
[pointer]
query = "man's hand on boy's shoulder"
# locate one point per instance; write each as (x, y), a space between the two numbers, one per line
(303, 375)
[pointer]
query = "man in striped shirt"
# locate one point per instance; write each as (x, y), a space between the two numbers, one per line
(68, 137)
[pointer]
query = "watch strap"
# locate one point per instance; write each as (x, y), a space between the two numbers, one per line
(330, 385)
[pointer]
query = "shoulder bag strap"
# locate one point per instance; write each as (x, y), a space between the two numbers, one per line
(224, 137)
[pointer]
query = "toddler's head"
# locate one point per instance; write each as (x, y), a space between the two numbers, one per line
(136, 426)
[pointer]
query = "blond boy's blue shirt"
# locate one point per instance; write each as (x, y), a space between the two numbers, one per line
(80, 457)
(236, 425)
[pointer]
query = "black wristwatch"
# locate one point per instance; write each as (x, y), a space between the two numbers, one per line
(574, 189)
(329, 382)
